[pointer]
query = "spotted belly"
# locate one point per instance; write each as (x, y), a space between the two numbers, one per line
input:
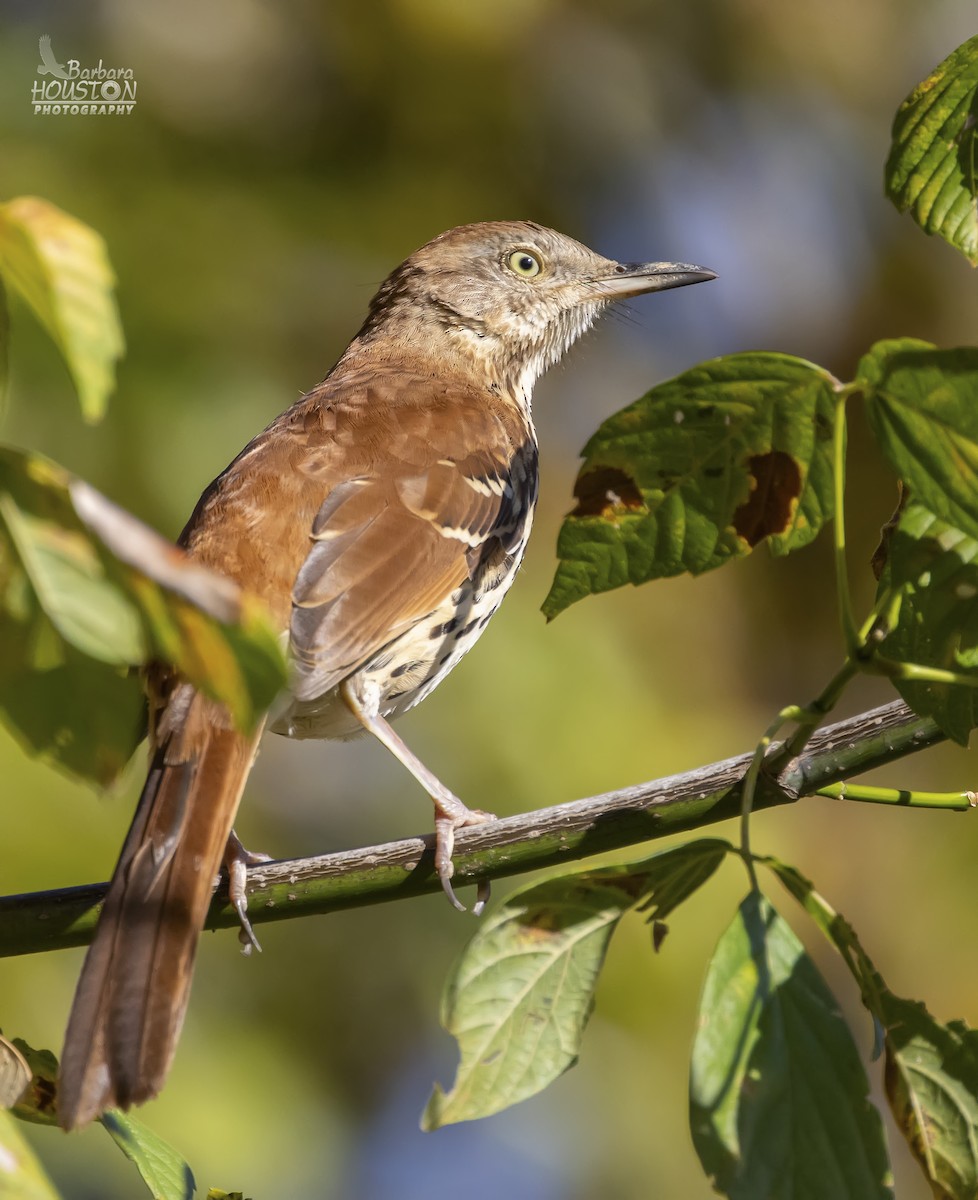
(408, 668)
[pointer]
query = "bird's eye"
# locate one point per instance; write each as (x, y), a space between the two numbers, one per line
(524, 263)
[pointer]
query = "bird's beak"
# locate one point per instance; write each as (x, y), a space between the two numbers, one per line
(632, 279)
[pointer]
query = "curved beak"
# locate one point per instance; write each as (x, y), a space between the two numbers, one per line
(633, 279)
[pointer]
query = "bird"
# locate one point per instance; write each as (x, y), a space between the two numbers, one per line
(381, 518)
(49, 65)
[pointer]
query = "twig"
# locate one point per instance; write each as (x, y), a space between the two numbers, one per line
(547, 837)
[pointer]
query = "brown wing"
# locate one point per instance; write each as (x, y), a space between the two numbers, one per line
(365, 505)
(451, 483)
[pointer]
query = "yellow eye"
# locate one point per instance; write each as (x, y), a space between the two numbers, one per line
(524, 263)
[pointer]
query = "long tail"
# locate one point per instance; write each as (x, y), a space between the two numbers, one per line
(134, 986)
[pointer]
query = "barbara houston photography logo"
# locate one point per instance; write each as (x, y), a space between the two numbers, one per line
(69, 89)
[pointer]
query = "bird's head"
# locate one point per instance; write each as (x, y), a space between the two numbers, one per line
(507, 297)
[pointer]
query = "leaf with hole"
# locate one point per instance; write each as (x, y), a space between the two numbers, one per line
(700, 470)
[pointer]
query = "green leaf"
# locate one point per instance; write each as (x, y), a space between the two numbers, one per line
(21, 1176)
(922, 404)
(15, 1074)
(698, 471)
(161, 1168)
(521, 995)
(778, 1095)
(932, 1086)
(671, 876)
(936, 568)
(4, 346)
(38, 1104)
(86, 593)
(931, 1072)
(931, 166)
(60, 267)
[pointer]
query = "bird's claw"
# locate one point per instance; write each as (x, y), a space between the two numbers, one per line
(237, 860)
(449, 818)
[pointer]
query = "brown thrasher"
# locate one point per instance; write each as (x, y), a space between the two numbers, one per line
(381, 518)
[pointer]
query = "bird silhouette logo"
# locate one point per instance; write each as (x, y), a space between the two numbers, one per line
(49, 65)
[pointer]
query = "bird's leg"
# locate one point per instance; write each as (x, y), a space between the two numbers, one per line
(237, 860)
(450, 812)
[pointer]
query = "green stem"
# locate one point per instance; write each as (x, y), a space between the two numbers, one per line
(957, 801)
(893, 669)
(792, 713)
(814, 714)
(843, 594)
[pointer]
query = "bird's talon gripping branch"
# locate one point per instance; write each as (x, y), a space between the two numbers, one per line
(237, 860)
(450, 815)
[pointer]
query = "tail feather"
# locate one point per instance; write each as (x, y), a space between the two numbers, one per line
(135, 983)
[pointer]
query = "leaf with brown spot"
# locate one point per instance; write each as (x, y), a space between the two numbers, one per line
(605, 491)
(38, 1102)
(775, 488)
(698, 471)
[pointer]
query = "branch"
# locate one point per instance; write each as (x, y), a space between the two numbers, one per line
(548, 837)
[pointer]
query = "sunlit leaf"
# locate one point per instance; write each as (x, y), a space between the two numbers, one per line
(21, 1175)
(932, 168)
(38, 1103)
(15, 1074)
(59, 266)
(521, 995)
(4, 346)
(698, 471)
(87, 592)
(519, 999)
(931, 1069)
(161, 1168)
(778, 1096)
(936, 566)
(922, 405)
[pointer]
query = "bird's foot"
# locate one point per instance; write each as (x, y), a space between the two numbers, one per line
(237, 860)
(451, 814)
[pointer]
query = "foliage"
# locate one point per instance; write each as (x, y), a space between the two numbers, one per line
(741, 450)
(703, 468)
(86, 591)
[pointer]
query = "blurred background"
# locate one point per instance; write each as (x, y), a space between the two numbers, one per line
(281, 160)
